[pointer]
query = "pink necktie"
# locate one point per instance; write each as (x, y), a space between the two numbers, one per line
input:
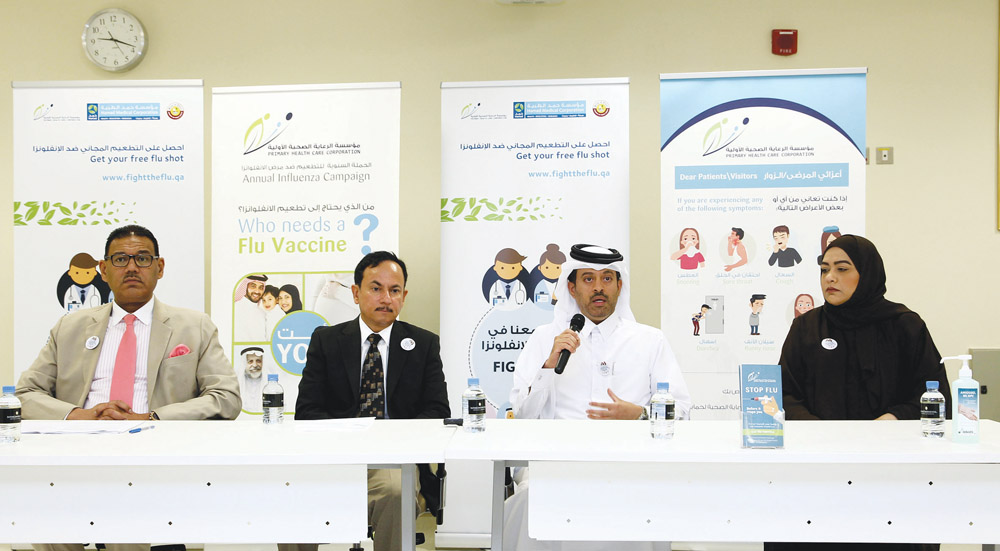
(123, 379)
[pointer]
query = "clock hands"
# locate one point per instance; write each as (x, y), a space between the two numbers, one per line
(116, 41)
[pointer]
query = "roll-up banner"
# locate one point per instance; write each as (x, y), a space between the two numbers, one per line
(528, 169)
(305, 181)
(759, 172)
(91, 156)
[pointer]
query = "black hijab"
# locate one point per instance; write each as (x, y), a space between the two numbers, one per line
(292, 291)
(867, 305)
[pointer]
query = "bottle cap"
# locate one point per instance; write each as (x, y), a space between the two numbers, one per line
(473, 381)
(933, 385)
(8, 389)
(663, 387)
(272, 377)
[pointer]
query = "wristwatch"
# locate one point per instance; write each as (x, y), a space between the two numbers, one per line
(644, 416)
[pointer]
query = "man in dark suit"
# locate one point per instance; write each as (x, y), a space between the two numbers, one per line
(344, 376)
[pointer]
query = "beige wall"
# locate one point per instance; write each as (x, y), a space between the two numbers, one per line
(932, 94)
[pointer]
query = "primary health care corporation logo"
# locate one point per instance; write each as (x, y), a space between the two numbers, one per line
(263, 131)
(47, 112)
(721, 134)
(470, 110)
(42, 110)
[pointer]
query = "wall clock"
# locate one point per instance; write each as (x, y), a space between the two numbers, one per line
(114, 40)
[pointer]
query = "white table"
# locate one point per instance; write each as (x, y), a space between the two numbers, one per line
(833, 481)
(209, 481)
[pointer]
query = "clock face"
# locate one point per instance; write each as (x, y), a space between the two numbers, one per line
(114, 40)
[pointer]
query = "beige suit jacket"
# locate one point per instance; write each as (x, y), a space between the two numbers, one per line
(198, 385)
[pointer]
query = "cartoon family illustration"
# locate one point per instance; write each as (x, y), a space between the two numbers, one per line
(508, 285)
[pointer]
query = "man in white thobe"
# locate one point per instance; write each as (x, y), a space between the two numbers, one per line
(611, 374)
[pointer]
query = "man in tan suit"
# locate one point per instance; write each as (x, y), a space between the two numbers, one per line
(137, 358)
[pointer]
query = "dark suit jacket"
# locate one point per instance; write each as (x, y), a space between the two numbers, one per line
(331, 380)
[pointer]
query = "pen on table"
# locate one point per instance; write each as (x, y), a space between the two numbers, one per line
(140, 429)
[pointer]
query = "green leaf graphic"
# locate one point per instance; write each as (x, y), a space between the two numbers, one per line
(519, 209)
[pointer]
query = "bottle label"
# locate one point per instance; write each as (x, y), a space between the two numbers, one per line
(660, 412)
(966, 422)
(477, 406)
(273, 400)
(932, 411)
(10, 415)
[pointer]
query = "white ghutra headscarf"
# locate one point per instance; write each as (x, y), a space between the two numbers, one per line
(596, 258)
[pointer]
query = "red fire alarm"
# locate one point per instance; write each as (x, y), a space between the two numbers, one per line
(784, 41)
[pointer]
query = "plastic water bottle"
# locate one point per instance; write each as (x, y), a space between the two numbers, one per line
(661, 412)
(10, 417)
(932, 411)
(474, 407)
(273, 401)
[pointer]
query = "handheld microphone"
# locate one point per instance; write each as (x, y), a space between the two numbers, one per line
(576, 324)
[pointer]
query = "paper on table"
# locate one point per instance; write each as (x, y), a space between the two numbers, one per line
(78, 427)
(334, 425)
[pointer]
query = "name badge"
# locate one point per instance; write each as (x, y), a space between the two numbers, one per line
(829, 344)
(606, 370)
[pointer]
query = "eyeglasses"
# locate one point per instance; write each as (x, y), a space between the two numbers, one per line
(142, 260)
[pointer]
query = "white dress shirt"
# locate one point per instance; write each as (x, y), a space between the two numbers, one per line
(100, 387)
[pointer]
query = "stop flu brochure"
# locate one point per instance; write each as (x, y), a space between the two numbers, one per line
(763, 415)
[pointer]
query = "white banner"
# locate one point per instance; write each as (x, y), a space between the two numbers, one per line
(90, 157)
(305, 181)
(527, 170)
(759, 172)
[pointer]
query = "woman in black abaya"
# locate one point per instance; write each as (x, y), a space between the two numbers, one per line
(859, 356)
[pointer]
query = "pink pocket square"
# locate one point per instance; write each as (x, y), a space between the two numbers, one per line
(180, 350)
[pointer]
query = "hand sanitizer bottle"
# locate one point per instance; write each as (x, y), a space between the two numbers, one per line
(964, 403)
